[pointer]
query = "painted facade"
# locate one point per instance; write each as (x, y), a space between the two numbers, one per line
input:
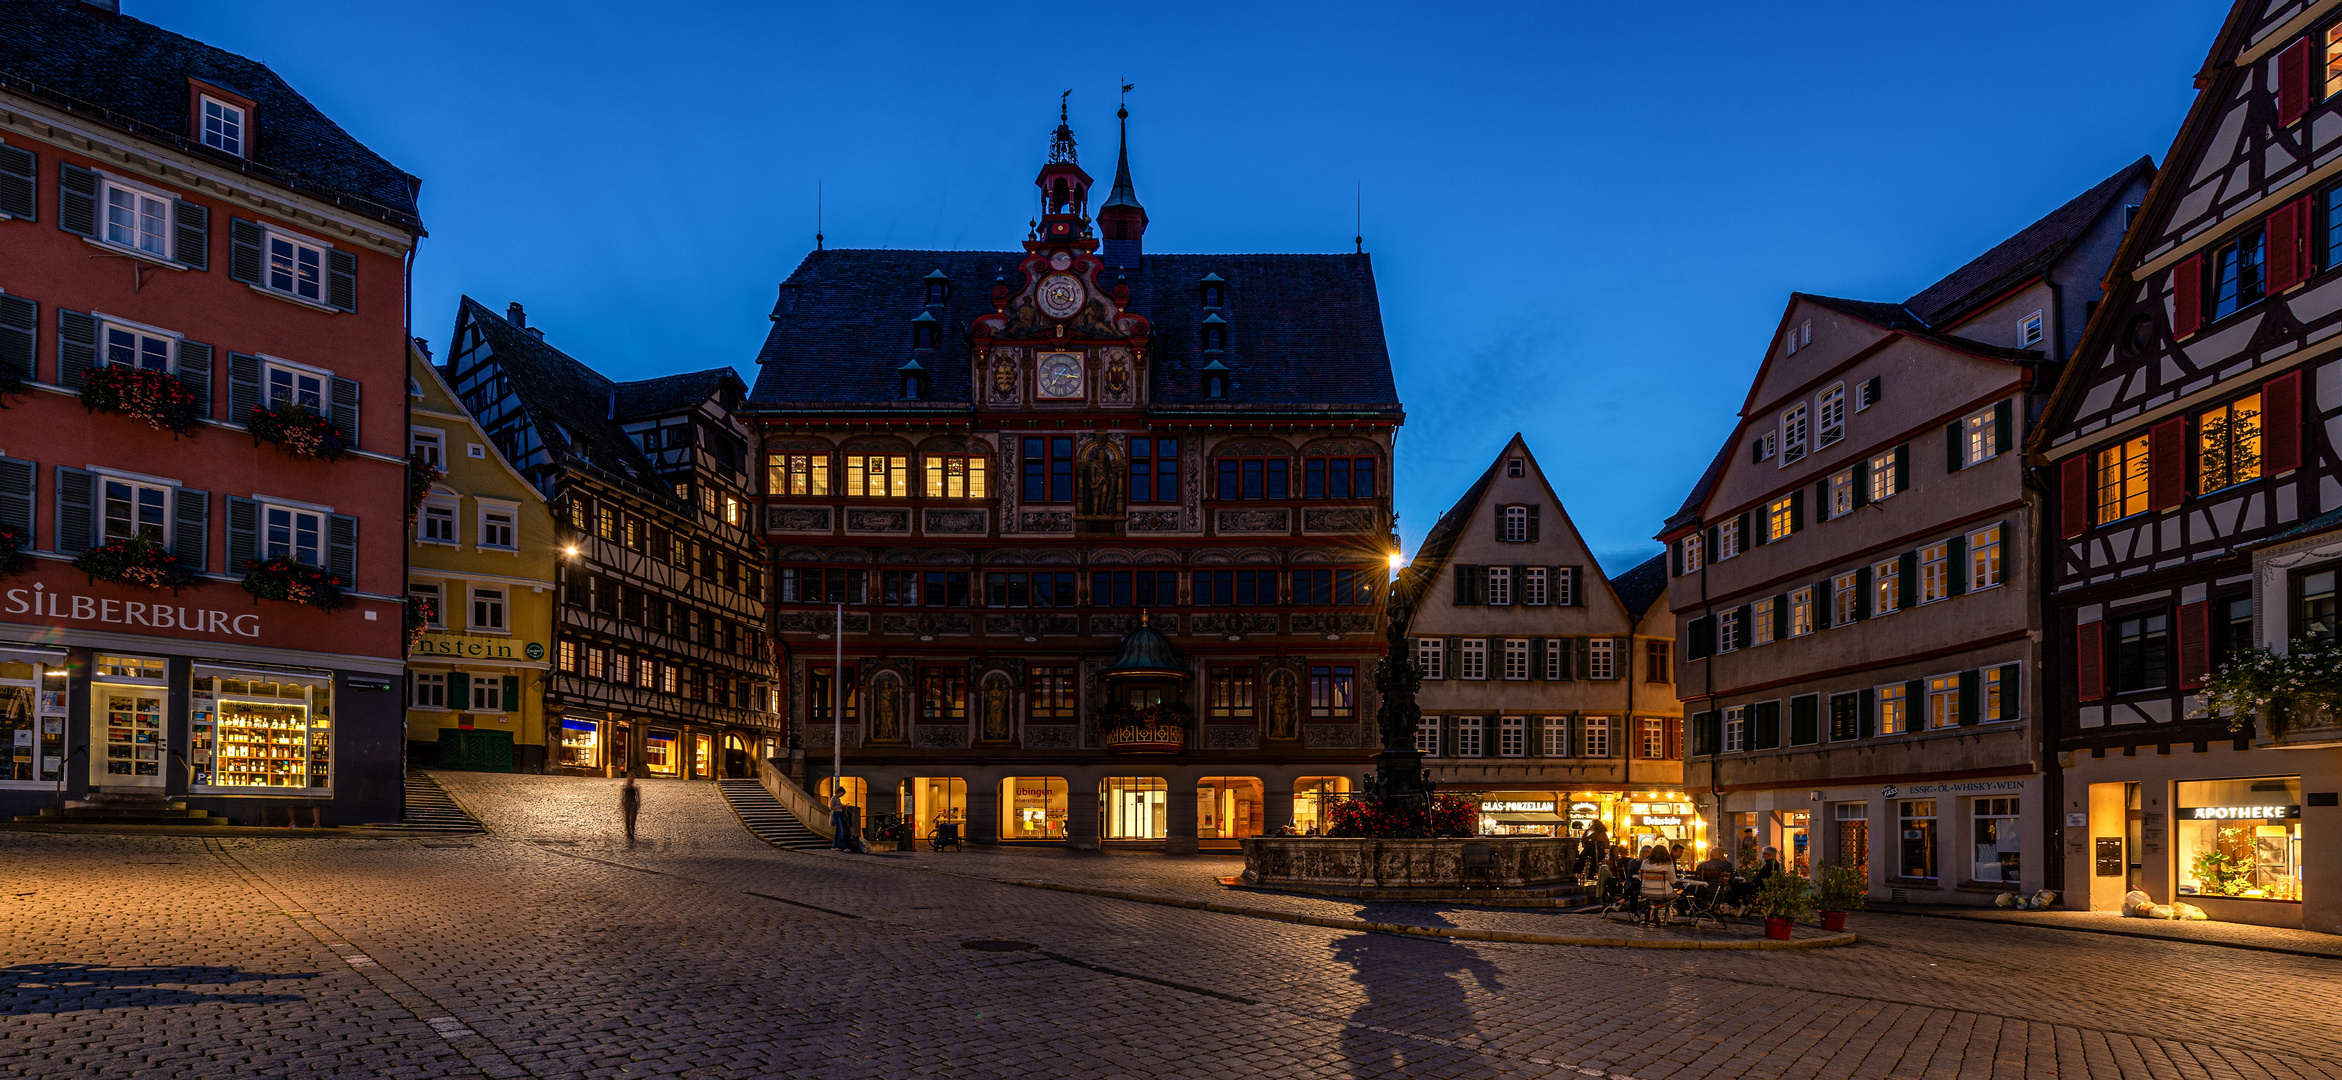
(1549, 688)
(2190, 462)
(482, 550)
(1002, 463)
(1855, 606)
(167, 244)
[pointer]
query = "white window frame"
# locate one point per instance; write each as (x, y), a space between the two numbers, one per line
(323, 514)
(1886, 583)
(1985, 569)
(1943, 701)
(497, 600)
(1760, 617)
(268, 266)
(1728, 539)
(1892, 695)
(1841, 493)
(1516, 659)
(1651, 734)
(1765, 446)
(431, 442)
(1882, 477)
(487, 694)
(1935, 572)
(1780, 512)
(1981, 437)
(1500, 586)
(1601, 658)
(1988, 687)
(1830, 415)
(2029, 330)
(108, 184)
(1468, 737)
(1431, 657)
(1514, 467)
(1427, 735)
(1801, 620)
(1533, 586)
(1516, 525)
(1845, 599)
(1472, 659)
(1556, 738)
(1512, 736)
(1554, 657)
(496, 506)
(109, 324)
(434, 680)
(269, 365)
(1728, 635)
(136, 481)
(1735, 728)
(437, 596)
(1794, 429)
(1565, 586)
(452, 508)
(1694, 551)
(1862, 398)
(1595, 732)
(242, 122)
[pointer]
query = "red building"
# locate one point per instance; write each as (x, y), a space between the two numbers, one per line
(202, 472)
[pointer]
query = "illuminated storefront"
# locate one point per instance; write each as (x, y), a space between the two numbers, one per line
(1638, 818)
(2239, 839)
(260, 730)
(1521, 813)
(581, 743)
(932, 800)
(1134, 807)
(1032, 808)
(32, 716)
(662, 752)
(1312, 796)
(1227, 809)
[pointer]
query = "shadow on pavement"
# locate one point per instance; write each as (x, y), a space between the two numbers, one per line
(1415, 1019)
(29, 989)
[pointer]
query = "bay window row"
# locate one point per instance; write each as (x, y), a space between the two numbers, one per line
(2237, 441)
(1938, 702)
(620, 667)
(1656, 738)
(659, 614)
(1954, 566)
(1329, 587)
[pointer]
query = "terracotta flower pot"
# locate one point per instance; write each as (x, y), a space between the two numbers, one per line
(1777, 927)
(1833, 920)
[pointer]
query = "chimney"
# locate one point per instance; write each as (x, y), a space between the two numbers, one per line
(516, 316)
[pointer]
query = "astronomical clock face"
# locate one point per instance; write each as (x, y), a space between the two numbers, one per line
(1061, 295)
(1061, 375)
(1059, 260)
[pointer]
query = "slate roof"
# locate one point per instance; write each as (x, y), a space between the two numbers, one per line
(133, 75)
(570, 404)
(674, 393)
(1640, 587)
(1902, 319)
(2032, 249)
(1304, 331)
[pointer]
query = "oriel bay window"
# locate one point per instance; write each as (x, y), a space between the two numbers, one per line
(1154, 469)
(1134, 588)
(1230, 694)
(943, 695)
(2228, 444)
(1020, 588)
(797, 474)
(1235, 588)
(955, 476)
(878, 475)
(1337, 478)
(1049, 469)
(1333, 692)
(1252, 478)
(1333, 587)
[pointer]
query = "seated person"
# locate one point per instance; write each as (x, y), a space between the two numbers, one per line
(1715, 869)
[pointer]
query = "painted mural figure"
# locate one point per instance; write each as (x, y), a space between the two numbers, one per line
(1281, 705)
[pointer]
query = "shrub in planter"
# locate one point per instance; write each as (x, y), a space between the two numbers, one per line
(284, 578)
(1784, 899)
(420, 613)
(299, 431)
(12, 545)
(155, 398)
(136, 561)
(421, 474)
(1839, 890)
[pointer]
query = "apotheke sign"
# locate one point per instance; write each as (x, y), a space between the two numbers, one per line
(40, 602)
(2238, 813)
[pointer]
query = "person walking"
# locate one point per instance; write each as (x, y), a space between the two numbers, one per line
(839, 839)
(629, 806)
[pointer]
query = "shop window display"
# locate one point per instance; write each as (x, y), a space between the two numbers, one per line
(1916, 820)
(933, 800)
(1228, 807)
(1656, 821)
(703, 748)
(252, 730)
(2239, 838)
(581, 743)
(1032, 808)
(1134, 807)
(662, 752)
(1313, 799)
(32, 718)
(1995, 837)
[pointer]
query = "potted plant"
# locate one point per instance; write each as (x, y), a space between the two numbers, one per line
(299, 431)
(284, 578)
(154, 398)
(1782, 900)
(1841, 889)
(140, 561)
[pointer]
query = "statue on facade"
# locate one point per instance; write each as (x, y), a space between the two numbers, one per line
(1282, 707)
(1098, 485)
(886, 713)
(994, 707)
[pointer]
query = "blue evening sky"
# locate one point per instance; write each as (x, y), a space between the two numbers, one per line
(1585, 218)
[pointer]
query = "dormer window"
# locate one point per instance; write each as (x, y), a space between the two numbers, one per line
(938, 287)
(923, 331)
(223, 125)
(1212, 290)
(1215, 333)
(1215, 380)
(914, 377)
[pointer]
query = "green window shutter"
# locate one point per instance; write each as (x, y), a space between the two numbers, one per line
(1821, 500)
(1621, 657)
(1536, 659)
(1957, 564)
(1869, 712)
(191, 234)
(1674, 550)
(1862, 483)
(1702, 632)
(1521, 576)
(2011, 706)
(1715, 536)
(1463, 585)
(1952, 450)
(459, 690)
(1780, 616)
(1907, 581)
(1862, 592)
(76, 511)
(1569, 654)
(1765, 729)
(511, 693)
(1533, 508)
(1751, 537)
(1707, 731)
(1971, 695)
(2003, 428)
(1903, 468)
(1584, 650)
(1455, 652)
(191, 527)
(1805, 723)
(1823, 600)
(1797, 510)
(1914, 706)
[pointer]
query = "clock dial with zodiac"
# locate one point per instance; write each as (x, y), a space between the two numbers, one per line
(1060, 375)
(1061, 295)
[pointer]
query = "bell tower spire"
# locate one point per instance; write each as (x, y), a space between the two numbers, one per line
(1122, 219)
(1065, 188)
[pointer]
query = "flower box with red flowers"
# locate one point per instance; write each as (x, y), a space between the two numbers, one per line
(299, 431)
(421, 613)
(137, 561)
(12, 545)
(155, 398)
(284, 578)
(421, 474)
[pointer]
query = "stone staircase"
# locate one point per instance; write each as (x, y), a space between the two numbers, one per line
(766, 817)
(430, 809)
(124, 808)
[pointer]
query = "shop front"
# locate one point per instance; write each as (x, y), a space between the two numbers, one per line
(581, 745)
(1228, 809)
(1313, 796)
(1522, 813)
(1633, 816)
(1032, 808)
(1940, 841)
(1135, 808)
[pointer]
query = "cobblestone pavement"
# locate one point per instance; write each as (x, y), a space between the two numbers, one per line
(547, 947)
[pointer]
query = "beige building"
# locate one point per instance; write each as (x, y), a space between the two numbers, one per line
(1548, 688)
(1853, 582)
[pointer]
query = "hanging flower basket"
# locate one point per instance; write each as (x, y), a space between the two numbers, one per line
(299, 431)
(2301, 689)
(421, 612)
(154, 398)
(12, 544)
(283, 578)
(11, 384)
(136, 561)
(421, 474)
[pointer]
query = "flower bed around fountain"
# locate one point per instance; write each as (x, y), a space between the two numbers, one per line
(1403, 869)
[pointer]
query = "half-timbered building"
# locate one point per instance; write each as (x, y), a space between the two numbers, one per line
(1856, 621)
(660, 664)
(2196, 432)
(1070, 482)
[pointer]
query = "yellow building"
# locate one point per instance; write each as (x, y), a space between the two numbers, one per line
(480, 567)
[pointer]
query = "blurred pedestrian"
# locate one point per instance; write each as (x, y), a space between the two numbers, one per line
(840, 839)
(630, 805)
